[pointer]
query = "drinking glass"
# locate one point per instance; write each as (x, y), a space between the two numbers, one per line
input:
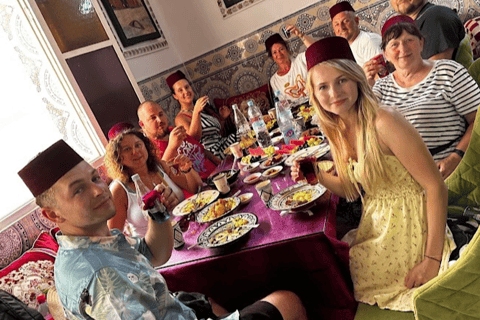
(308, 166)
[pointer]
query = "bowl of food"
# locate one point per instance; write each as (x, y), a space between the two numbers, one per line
(275, 160)
(272, 172)
(251, 168)
(218, 209)
(245, 198)
(253, 178)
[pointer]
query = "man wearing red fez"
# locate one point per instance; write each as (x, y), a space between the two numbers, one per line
(291, 76)
(108, 271)
(171, 141)
(364, 45)
(440, 26)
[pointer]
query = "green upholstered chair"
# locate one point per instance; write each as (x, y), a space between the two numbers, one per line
(455, 294)
(464, 54)
(474, 71)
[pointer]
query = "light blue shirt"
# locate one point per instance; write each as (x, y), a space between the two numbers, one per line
(119, 277)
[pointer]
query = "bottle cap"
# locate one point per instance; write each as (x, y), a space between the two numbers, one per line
(277, 93)
(250, 103)
(135, 177)
(41, 298)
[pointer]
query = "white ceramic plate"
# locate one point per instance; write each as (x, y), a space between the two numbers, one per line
(245, 198)
(252, 167)
(203, 213)
(252, 181)
(275, 172)
(264, 166)
(207, 197)
(205, 239)
(316, 151)
(280, 199)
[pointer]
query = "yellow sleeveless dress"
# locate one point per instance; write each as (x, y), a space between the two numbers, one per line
(390, 239)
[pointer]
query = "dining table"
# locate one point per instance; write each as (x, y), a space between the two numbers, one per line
(297, 252)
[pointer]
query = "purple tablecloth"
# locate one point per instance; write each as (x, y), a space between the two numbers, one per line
(296, 252)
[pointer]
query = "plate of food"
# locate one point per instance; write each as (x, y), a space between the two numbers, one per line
(227, 230)
(245, 197)
(188, 205)
(273, 161)
(272, 172)
(251, 168)
(218, 209)
(250, 159)
(315, 151)
(297, 197)
(253, 178)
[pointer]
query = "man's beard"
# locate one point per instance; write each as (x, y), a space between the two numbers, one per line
(161, 133)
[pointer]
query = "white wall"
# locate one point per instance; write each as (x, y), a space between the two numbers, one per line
(194, 27)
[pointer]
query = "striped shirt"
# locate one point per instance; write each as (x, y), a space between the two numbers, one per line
(435, 106)
(211, 138)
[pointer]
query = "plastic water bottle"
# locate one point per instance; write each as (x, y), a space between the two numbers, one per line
(158, 212)
(256, 118)
(285, 119)
(244, 132)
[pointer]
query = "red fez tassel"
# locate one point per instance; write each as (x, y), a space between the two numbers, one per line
(327, 49)
(119, 128)
(49, 166)
(394, 20)
(340, 7)
(174, 77)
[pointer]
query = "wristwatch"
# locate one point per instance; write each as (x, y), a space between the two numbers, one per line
(459, 152)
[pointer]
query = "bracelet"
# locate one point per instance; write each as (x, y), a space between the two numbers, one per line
(459, 152)
(438, 260)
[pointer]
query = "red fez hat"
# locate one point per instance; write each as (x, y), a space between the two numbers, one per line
(48, 167)
(327, 49)
(394, 20)
(119, 128)
(274, 38)
(174, 77)
(340, 7)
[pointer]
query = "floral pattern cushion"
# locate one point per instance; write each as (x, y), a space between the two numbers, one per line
(32, 273)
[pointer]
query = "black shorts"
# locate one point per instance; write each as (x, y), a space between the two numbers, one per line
(260, 310)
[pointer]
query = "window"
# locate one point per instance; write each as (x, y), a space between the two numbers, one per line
(40, 103)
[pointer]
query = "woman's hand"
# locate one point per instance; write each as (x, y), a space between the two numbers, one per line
(225, 112)
(294, 30)
(371, 69)
(177, 135)
(448, 164)
(183, 163)
(422, 273)
(200, 104)
(295, 173)
(169, 199)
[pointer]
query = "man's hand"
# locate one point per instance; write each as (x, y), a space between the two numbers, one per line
(448, 164)
(177, 136)
(422, 273)
(169, 199)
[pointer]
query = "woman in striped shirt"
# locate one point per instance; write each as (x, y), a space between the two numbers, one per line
(204, 127)
(439, 98)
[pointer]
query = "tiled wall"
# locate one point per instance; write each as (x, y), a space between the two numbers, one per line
(243, 65)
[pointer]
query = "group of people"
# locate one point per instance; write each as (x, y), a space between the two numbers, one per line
(392, 144)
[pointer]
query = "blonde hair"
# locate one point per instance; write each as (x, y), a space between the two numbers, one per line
(368, 147)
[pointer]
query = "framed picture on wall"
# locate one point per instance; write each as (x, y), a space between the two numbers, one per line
(230, 7)
(131, 20)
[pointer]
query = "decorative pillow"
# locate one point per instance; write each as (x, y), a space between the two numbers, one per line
(260, 95)
(472, 28)
(32, 273)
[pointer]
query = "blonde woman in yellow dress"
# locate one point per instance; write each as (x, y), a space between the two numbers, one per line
(401, 242)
